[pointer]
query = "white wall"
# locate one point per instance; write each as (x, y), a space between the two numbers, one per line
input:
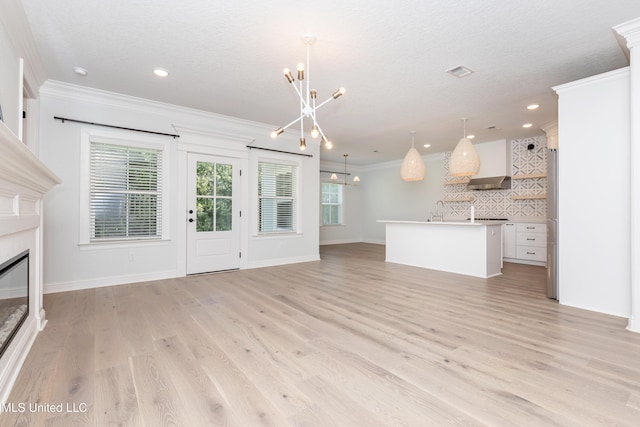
(386, 196)
(10, 83)
(593, 192)
(71, 266)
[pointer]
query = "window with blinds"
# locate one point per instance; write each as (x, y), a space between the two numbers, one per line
(277, 198)
(331, 203)
(125, 192)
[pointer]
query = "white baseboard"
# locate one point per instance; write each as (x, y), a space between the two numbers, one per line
(339, 242)
(374, 241)
(12, 293)
(342, 242)
(634, 325)
(597, 310)
(525, 261)
(52, 288)
(282, 261)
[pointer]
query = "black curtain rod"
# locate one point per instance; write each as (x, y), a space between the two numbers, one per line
(336, 172)
(278, 151)
(63, 119)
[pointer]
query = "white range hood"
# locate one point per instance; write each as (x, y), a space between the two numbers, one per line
(495, 166)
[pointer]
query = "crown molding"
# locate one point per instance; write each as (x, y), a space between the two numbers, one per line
(18, 30)
(611, 75)
(630, 30)
(71, 92)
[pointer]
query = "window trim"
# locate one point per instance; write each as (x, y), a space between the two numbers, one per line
(342, 222)
(124, 139)
(295, 198)
(283, 160)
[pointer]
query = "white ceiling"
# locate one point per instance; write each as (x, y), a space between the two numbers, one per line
(227, 57)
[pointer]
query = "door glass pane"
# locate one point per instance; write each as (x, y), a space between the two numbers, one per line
(204, 217)
(224, 180)
(205, 182)
(223, 215)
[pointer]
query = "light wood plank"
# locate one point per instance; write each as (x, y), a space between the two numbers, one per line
(529, 176)
(349, 340)
(115, 398)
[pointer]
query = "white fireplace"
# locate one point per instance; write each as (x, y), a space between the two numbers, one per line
(24, 179)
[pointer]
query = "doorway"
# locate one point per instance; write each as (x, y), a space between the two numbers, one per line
(213, 214)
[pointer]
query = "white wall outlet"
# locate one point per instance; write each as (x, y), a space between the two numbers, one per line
(132, 256)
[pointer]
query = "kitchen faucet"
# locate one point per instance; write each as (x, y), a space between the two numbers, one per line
(438, 214)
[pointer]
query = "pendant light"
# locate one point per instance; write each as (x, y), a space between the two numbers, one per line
(464, 159)
(334, 175)
(413, 168)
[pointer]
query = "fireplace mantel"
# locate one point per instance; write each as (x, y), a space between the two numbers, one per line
(18, 165)
(24, 180)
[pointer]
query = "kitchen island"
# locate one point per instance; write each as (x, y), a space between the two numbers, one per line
(463, 247)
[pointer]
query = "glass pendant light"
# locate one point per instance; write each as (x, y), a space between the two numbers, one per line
(413, 168)
(464, 159)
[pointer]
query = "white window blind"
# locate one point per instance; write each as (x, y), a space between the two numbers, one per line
(331, 203)
(125, 192)
(277, 198)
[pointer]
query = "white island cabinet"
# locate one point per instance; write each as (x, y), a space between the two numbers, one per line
(474, 249)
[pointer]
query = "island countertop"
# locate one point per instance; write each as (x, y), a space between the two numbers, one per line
(456, 222)
(464, 247)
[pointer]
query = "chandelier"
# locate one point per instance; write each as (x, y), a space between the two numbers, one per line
(334, 175)
(308, 97)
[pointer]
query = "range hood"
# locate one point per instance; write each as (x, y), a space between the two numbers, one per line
(495, 166)
(490, 183)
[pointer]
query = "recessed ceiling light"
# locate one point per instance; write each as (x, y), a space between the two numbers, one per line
(532, 106)
(80, 71)
(527, 125)
(160, 72)
(471, 136)
(460, 71)
(427, 145)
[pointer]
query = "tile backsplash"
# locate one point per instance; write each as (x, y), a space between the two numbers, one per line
(501, 203)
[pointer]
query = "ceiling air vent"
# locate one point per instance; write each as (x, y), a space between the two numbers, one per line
(460, 71)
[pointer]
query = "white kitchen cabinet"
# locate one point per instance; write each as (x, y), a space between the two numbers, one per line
(532, 239)
(525, 243)
(509, 240)
(531, 228)
(531, 253)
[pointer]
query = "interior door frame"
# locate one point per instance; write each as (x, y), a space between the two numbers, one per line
(214, 145)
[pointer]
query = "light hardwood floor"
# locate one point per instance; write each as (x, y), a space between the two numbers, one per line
(347, 341)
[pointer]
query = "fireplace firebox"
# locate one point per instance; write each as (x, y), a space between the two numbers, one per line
(14, 297)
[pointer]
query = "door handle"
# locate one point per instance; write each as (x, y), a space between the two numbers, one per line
(190, 219)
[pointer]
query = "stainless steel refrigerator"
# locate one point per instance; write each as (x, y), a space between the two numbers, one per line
(552, 223)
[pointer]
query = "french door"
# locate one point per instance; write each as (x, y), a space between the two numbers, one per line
(213, 214)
